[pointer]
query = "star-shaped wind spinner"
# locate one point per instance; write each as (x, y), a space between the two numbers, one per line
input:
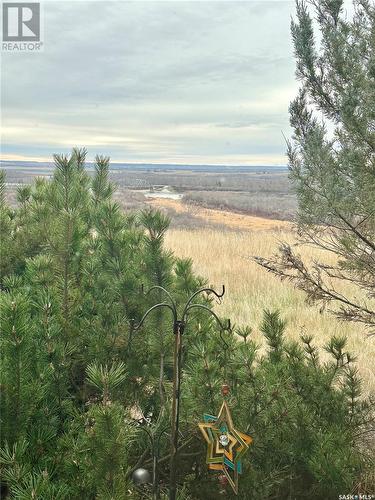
(225, 445)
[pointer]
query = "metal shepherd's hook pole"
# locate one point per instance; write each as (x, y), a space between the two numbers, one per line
(178, 331)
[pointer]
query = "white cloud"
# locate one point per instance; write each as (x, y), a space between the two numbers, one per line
(201, 82)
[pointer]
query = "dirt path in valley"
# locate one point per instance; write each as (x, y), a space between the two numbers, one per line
(231, 219)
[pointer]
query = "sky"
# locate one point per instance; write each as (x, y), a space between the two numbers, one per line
(154, 82)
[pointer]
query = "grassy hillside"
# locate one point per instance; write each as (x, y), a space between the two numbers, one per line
(224, 256)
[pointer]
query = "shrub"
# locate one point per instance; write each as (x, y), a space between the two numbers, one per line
(75, 377)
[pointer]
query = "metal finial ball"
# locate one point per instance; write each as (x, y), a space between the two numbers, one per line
(141, 476)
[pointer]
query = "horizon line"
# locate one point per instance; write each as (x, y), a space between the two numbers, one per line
(117, 162)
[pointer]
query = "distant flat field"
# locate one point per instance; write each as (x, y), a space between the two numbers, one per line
(229, 220)
(222, 252)
(254, 190)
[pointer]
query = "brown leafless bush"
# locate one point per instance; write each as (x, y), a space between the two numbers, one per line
(274, 205)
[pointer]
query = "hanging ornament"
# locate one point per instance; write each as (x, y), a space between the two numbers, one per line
(141, 476)
(225, 444)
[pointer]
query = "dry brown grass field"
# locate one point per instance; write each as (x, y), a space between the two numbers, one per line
(225, 256)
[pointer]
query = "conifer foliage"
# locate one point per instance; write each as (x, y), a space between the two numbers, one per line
(332, 158)
(77, 382)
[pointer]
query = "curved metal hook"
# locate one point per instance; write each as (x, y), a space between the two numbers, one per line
(163, 431)
(147, 431)
(202, 290)
(205, 308)
(161, 288)
(226, 345)
(153, 435)
(156, 306)
(219, 300)
(223, 328)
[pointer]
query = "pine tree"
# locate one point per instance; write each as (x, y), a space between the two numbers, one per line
(7, 259)
(77, 382)
(332, 157)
